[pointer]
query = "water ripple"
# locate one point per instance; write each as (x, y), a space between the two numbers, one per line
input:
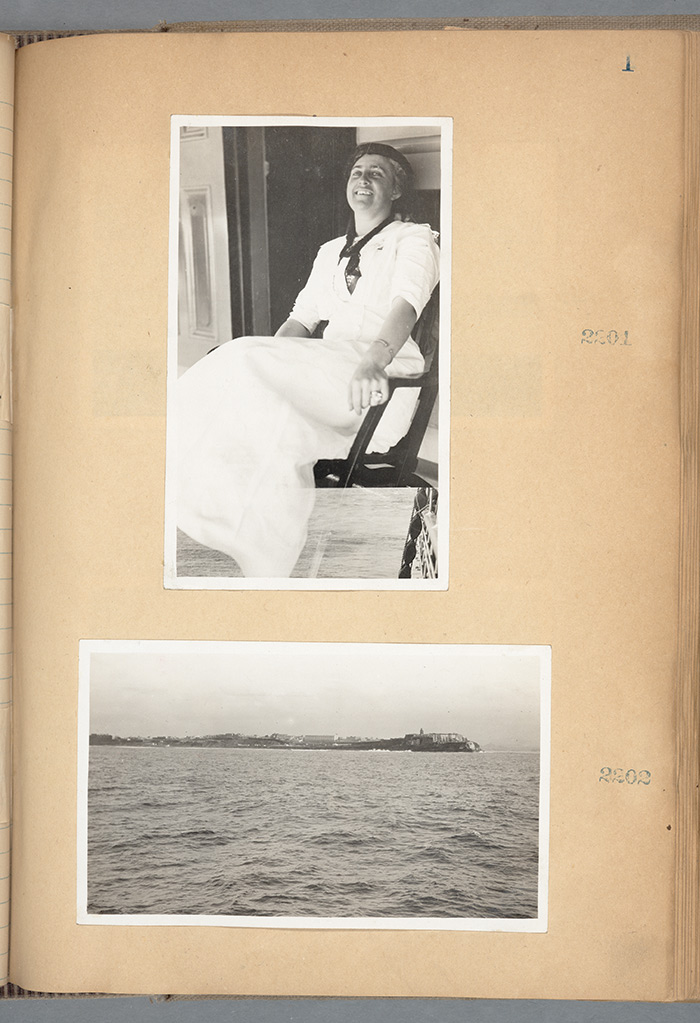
(274, 832)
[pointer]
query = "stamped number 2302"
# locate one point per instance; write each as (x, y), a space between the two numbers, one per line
(631, 777)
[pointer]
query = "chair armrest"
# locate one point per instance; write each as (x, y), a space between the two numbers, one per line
(421, 380)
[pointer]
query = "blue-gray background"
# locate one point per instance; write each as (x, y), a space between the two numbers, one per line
(43, 15)
(64, 15)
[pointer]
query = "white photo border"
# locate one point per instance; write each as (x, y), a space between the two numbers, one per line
(171, 579)
(537, 924)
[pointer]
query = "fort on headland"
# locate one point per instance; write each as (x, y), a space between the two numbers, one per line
(415, 742)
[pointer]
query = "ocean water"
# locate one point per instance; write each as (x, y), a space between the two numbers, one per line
(265, 832)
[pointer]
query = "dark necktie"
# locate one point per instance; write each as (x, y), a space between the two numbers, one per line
(351, 249)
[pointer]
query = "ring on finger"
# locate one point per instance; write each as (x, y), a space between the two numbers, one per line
(376, 397)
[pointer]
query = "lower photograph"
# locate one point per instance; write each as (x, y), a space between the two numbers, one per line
(313, 785)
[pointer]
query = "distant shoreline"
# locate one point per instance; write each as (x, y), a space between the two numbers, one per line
(413, 743)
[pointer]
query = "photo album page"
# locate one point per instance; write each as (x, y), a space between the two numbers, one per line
(347, 503)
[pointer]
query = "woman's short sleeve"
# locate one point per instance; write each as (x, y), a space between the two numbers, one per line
(417, 267)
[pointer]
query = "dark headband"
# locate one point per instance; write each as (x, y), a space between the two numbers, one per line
(380, 149)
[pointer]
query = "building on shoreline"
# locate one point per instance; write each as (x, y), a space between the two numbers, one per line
(413, 741)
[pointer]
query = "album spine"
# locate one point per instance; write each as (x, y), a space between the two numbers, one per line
(687, 902)
(7, 67)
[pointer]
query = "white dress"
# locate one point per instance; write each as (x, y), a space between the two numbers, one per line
(254, 416)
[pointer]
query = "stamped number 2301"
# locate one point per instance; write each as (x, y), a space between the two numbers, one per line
(605, 337)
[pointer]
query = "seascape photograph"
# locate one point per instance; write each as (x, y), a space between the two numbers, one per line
(313, 784)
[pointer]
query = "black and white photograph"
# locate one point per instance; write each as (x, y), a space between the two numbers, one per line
(313, 785)
(308, 353)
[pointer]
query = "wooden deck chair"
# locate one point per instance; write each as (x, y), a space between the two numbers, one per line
(396, 467)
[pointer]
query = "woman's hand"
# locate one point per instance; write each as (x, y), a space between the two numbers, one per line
(369, 384)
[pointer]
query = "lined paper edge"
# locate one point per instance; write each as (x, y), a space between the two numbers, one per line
(7, 67)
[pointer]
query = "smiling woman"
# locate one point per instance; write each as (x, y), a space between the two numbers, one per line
(256, 414)
(372, 188)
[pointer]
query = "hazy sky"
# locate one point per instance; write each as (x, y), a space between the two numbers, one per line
(490, 694)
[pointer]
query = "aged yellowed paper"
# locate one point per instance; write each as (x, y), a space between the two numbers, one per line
(566, 280)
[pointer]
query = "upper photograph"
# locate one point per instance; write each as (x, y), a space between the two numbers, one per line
(308, 353)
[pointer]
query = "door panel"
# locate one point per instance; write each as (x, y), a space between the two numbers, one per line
(204, 285)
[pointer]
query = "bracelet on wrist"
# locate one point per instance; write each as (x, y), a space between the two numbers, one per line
(389, 348)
